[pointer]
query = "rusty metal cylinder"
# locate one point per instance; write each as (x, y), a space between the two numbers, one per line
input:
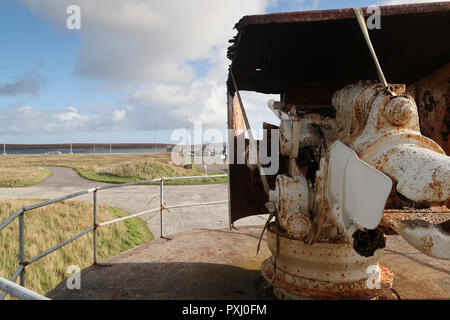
(292, 198)
(322, 270)
(400, 111)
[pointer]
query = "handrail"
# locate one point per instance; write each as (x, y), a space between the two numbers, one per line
(13, 279)
(19, 291)
(195, 204)
(9, 286)
(127, 217)
(58, 246)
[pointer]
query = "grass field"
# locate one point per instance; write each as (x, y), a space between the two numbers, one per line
(48, 226)
(18, 175)
(26, 170)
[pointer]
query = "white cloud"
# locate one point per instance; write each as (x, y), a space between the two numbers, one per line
(119, 115)
(165, 105)
(29, 120)
(148, 44)
(70, 116)
(147, 40)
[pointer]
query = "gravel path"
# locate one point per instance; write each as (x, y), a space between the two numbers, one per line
(135, 199)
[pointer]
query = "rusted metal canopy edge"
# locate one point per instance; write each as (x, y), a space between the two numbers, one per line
(277, 52)
(337, 14)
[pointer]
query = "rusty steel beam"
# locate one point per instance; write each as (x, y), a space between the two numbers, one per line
(338, 14)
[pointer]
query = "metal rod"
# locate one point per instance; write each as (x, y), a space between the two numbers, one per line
(46, 203)
(62, 244)
(22, 247)
(127, 184)
(161, 199)
(128, 217)
(196, 204)
(11, 218)
(12, 279)
(362, 23)
(19, 291)
(196, 177)
(16, 273)
(8, 220)
(158, 209)
(94, 223)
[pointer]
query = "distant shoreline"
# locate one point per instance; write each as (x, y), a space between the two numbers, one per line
(95, 148)
(87, 146)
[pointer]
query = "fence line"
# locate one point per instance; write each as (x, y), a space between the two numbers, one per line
(19, 291)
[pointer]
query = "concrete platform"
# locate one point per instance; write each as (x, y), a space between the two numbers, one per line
(222, 264)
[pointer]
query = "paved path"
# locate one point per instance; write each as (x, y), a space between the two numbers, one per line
(135, 199)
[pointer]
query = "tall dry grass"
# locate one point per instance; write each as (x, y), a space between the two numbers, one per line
(48, 226)
(17, 174)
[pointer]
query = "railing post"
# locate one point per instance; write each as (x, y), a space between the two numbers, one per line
(94, 204)
(161, 207)
(22, 247)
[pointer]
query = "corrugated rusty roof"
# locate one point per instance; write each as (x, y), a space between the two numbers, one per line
(276, 52)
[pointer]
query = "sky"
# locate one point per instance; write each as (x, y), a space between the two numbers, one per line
(136, 70)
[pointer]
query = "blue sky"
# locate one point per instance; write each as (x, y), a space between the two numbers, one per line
(134, 72)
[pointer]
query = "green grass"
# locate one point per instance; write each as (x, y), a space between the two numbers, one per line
(112, 178)
(102, 177)
(137, 231)
(46, 227)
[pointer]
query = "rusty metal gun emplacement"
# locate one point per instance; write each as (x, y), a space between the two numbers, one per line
(353, 171)
(320, 250)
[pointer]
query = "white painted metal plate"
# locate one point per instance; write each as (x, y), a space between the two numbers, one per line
(361, 189)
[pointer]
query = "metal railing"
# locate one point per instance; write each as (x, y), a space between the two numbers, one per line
(23, 293)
